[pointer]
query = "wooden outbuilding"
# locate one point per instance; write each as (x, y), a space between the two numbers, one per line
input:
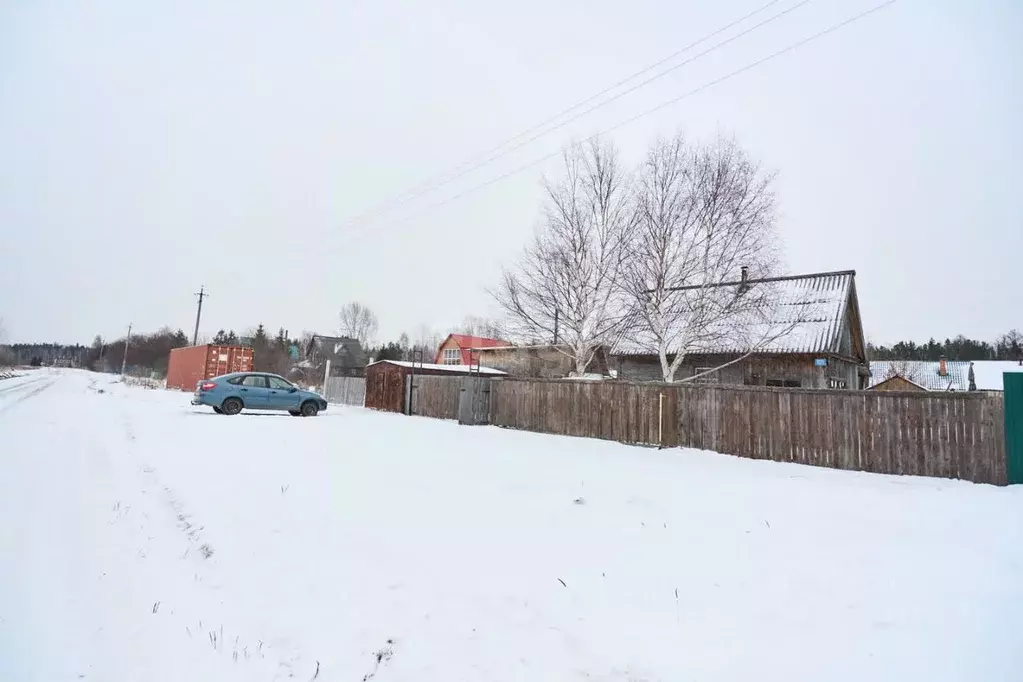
(386, 380)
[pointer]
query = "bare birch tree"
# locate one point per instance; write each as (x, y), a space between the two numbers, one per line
(358, 322)
(480, 326)
(567, 283)
(705, 215)
(426, 343)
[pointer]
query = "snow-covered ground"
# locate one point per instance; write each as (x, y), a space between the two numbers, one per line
(144, 539)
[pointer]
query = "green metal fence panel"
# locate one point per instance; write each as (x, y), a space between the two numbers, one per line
(1013, 383)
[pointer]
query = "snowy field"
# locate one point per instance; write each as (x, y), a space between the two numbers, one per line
(145, 540)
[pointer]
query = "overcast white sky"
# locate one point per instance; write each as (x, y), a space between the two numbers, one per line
(149, 148)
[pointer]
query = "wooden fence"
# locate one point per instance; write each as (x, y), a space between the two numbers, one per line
(346, 390)
(435, 396)
(628, 413)
(948, 435)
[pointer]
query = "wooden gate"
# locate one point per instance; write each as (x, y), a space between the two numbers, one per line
(474, 401)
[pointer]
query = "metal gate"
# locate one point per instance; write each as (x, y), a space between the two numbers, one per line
(1013, 384)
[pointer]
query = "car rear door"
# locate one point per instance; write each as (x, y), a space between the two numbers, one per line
(254, 392)
(282, 397)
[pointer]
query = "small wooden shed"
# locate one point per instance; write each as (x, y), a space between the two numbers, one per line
(385, 380)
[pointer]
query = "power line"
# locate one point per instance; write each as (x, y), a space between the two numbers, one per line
(662, 105)
(486, 157)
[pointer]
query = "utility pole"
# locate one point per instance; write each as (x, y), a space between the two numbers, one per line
(124, 361)
(198, 314)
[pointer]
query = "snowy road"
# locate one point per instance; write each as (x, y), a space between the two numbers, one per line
(144, 539)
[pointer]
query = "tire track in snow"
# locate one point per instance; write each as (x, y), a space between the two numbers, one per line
(19, 399)
(20, 384)
(202, 624)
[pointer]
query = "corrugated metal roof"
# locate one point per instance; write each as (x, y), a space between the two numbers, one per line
(800, 314)
(923, 373)
(468, 341)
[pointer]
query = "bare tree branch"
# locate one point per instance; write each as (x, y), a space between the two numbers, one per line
(704, 213)
(481, 327)
(358, 322)
(907, 369)
(568, 281)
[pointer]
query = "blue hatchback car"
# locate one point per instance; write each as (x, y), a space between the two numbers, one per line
(232, 393)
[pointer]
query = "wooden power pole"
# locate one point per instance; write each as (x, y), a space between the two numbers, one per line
(124, 360)
(198, 314)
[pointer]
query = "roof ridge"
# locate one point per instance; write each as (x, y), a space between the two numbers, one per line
(764, 280)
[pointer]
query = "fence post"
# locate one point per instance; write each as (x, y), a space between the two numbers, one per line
(1013, 384)
(407, 394)
(660, 419)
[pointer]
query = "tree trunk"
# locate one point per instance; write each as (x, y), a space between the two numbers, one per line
(667, 371)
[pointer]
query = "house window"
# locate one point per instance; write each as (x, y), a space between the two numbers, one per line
(834, 382)
(706, 378)
(784, 383)
(452, 356)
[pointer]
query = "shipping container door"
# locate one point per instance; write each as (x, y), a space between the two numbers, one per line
(242, 360)
(218, 362)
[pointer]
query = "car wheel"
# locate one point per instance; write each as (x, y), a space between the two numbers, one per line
(309, 409)
(231, 406)
(218, 410)
(294, 413)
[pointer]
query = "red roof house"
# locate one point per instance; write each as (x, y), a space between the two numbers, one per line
(456, 349)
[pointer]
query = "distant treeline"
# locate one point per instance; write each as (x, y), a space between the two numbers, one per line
(148, 352)
(1008, 346)
(42, 354)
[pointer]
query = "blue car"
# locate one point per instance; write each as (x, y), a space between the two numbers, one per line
(232, 393)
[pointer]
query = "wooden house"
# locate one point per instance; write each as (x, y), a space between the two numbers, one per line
(543, 361)
(457, 349)
(920, 375)
(897, 383)
(819, 341)
(346, 356)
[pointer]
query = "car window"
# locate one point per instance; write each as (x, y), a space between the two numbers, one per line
(235, 380)
(277, 382)
(254, 380)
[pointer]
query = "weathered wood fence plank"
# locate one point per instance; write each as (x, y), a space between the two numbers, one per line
(950, 435)
(345, 390)
(437, 396)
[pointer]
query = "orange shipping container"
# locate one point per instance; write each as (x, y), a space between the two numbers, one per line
(188, 366)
